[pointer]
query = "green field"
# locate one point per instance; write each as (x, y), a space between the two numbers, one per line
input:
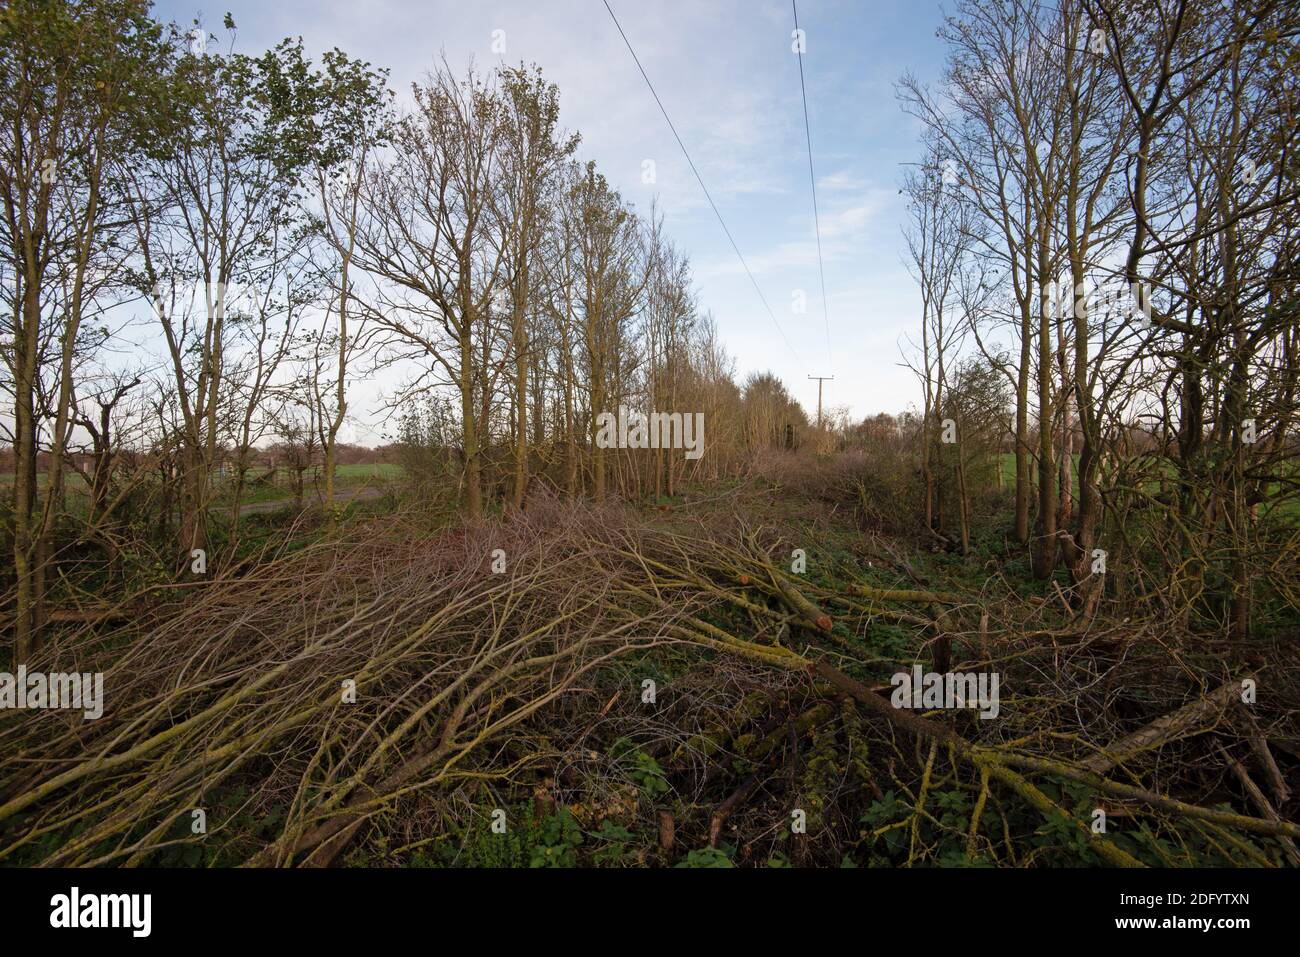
(384, 471)
(346, 477)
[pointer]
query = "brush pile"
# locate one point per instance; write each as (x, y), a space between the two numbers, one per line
(381, 693)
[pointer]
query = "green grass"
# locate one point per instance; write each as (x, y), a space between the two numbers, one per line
(1009, 471)
(347, 476)
(359, 474)
(72, 481)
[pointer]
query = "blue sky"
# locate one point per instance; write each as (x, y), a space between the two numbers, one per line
(729, 79)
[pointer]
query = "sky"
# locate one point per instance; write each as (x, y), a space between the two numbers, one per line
(729, 80)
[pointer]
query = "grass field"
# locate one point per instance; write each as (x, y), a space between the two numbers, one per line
(346, 477)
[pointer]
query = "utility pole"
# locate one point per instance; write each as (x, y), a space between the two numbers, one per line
(820, 379)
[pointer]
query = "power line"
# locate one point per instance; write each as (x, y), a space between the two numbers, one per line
(812, 178)
(698, 177)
